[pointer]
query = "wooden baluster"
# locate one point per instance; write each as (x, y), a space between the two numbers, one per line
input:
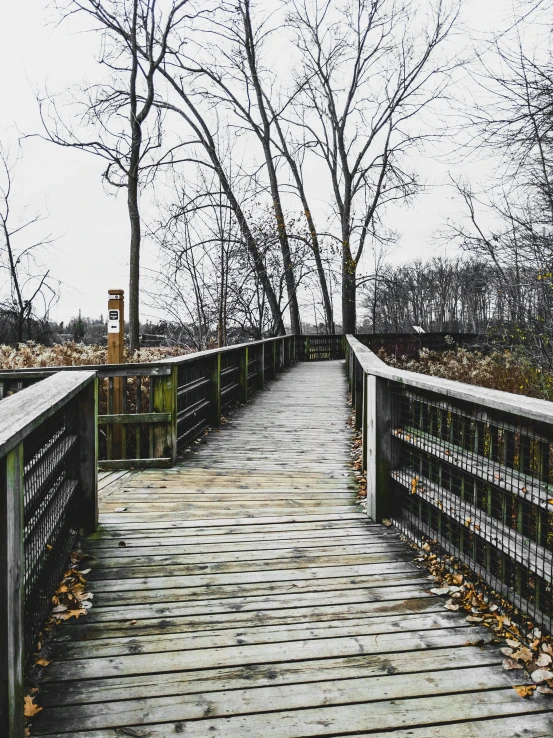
(109, 427)
(138, 410)
(150, 426)
(124, 405)
(87, 468)
(377, 427)
(164, 397)
(243, 374)
(12, 562)
(358, 394)
(215, 391)
(261, 365)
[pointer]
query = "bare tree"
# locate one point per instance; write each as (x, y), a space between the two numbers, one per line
(29, 289)
(134, 41)
(369, 69)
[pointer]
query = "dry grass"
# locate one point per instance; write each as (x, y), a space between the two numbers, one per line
(502, 370)
(29, 355)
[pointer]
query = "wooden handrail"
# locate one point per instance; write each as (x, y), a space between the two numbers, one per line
(48, 491)
(466, 466)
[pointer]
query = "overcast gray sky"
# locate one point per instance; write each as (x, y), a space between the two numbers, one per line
(91, 253)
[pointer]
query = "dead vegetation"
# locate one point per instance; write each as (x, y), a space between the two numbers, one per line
(508, 371)
(32, 355)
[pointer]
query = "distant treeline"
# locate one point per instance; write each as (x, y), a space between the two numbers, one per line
(512, 305)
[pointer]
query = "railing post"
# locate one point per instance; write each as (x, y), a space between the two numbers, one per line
(377, 446)
(281, 351)
(12, 562)
(275, 364)
(87, 471)
(165, 400)
(243, 379)
(215, 391)
(307, 348)
(261, 365)
(357, 393)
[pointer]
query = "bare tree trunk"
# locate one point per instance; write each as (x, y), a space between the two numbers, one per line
(289, 275)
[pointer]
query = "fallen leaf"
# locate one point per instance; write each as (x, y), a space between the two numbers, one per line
(59, 608)
(440, 590)
(84, 571)
(544, 690)
(120, 509)
(524, 690)
(511, 642)
(511, 664)
(523, 654)
(42, 662)
(72, 614)
(457, 579)
(543, 660)
(451, 606)
(473, 619)
(506, 651)
(30, 708)
(542, 675)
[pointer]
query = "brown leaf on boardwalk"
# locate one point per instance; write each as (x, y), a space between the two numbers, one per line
(524, 690)
(457, 579)
(42, 662)
(523, 654)
(542, 689)
(542, 675)
(543, 659)
(72, 614)
(512, 664)
(30, 708)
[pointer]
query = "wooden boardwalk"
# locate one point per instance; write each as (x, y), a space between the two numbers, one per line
(244, 594)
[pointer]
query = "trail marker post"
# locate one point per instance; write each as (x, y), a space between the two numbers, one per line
(116, 343)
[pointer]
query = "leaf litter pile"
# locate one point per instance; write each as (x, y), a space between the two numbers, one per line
(70, 600)
(526, 648)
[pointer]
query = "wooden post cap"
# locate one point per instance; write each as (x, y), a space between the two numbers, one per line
(116, 292)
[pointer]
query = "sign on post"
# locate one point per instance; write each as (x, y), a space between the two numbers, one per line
(116, 345)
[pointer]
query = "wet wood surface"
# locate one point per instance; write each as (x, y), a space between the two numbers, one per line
(244, 593)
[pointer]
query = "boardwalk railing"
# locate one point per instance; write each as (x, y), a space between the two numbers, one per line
(48, 493)
(165, 405)
(469, 467)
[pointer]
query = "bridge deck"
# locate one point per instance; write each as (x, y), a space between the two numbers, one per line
(244, 594)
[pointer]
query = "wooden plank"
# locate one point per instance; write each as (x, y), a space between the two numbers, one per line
(259, 654)
(251, 701)
(202, 636)
(385, 715)
(126, 464)
(284, 672)
(134, 418)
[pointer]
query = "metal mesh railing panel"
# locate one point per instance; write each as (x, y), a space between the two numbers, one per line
(193, 400)
(230, 378)
(479, 482)
(50, 515)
